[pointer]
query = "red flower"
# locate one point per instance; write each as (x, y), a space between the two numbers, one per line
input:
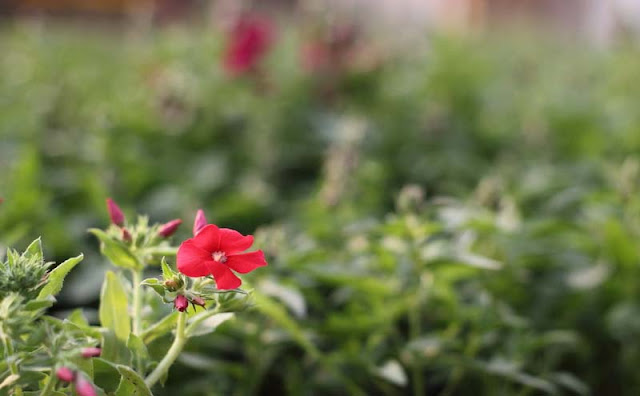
(167, 229)
(216, 251)
(115, 214)
(249, 41)
(199, 222)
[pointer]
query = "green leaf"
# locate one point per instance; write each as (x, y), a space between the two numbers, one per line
(160, 328)
(139, 349)
(279, 314)
(40, 303)
(393, 372)
(206, 322)
(114, 349)
(116, 251)
(34, 250)
(10, 380)
(155, 285)
(55, 279)
(113, 311)
(83, 364)
(131, 383)
(77, 317)
(105, 375)
(167, 271)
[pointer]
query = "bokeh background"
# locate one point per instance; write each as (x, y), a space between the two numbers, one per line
(447, 191)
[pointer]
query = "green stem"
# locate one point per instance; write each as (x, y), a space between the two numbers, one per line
(137, 302)
(136, 279)
(415, 329)
(8, 349)
(51, 382)
(178, 344)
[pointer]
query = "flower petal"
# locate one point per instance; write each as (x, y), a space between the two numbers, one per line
(192, 260)
(231, 241)
(246, 262)
(225, 279)
(208, 238)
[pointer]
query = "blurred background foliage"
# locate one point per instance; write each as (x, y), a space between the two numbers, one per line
(458, 219)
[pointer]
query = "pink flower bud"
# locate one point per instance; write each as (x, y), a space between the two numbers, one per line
(91, 352)
(84, 387)
(181, 303)
(125, 235)
(65, 374)
(115, 214)
(198, 301)
(167, 229)
(200, 222)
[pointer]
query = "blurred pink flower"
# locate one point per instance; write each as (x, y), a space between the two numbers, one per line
(167, 229)
(65, 374)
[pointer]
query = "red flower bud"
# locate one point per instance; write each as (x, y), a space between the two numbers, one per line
(198, 301)
(181, 303)
(91, 352)
(167, 229)
(115, 213)
(199, 222)
(84, 387)
(125, 235)
(65, 374)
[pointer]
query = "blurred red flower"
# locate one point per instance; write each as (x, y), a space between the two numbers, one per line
(216, 251)
(248, 42)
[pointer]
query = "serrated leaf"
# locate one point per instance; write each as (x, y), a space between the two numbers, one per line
(115, 251)
(160, 328)
(206, 322)
(55, 279)
(131, 383)
(113, 312)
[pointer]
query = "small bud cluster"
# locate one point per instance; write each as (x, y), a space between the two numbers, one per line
(181, 303)
(118, 219)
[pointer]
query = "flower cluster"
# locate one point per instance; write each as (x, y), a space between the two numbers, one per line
(118, 219)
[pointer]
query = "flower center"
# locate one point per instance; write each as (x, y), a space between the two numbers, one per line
(219, 257)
